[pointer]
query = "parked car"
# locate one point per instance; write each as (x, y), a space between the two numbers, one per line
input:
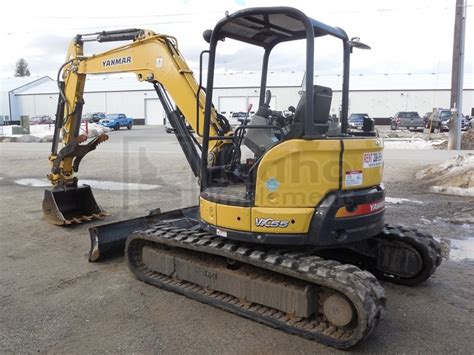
(116, 120)
(406, 119)
(169, 128)
(440, 119)
(237, 118)
(43, 119)
(445, 124)
(356, 120)
(426, 119)
(94, 117)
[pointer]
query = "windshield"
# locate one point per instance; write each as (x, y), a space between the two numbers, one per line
(112, 116)
(408, 115)
(358, 116)
(445, 115)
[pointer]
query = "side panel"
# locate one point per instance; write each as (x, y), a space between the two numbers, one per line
(298, 173)
(208, 211)
(363, 156)
(233, 217)
(281, 220)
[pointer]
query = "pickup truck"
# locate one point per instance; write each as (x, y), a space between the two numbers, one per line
(407, 119)
(116, 120)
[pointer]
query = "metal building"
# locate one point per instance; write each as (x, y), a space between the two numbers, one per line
(10, 108)
(379, 95)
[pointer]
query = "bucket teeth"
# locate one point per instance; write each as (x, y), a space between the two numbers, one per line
(82, 219)
(73, 206)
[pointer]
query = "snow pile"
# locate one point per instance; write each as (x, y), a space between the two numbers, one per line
(453, 177)
(96, 129)
(467, 141)
(384, 133)
(408, 143)
(44, 132)
(405, 139)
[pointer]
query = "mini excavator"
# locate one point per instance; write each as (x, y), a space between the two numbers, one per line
(294, 237)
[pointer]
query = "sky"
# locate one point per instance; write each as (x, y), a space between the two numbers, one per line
(406, 36)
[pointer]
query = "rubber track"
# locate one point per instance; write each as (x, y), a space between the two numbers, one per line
(428, 248)
(360, 287)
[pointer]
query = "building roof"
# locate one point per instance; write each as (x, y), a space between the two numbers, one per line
(130, 83)
(18, 84)
(399, 82)
(368, 82)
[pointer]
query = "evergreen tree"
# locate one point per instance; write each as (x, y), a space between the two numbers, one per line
(21, 68)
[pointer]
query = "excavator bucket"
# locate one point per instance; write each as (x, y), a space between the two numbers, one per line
(64, 207)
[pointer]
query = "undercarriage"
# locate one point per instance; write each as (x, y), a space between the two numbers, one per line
(299, 291)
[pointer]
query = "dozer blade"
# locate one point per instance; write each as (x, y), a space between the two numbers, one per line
(108, 240)
(64, 207)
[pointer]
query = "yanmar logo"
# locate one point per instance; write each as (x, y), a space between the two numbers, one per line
(377, 206)
(271, 223)
(116, 61)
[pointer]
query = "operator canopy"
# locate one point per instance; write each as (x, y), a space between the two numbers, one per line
(267, 27)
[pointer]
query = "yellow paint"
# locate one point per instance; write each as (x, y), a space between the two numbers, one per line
(305, 171)
(208, 211)
(233, 217)
(354, 150)
(299, 219)
(152, 57)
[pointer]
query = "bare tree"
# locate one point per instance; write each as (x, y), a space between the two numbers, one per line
(21, 68)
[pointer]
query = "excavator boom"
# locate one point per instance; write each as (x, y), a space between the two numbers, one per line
(151, 57)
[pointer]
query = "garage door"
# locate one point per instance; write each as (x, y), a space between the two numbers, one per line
(154, 113)
(255, 99)
(228, 104)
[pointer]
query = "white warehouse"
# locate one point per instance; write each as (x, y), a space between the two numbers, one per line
(10, 88)
(378, 95)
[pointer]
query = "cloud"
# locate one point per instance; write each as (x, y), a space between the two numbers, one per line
(406, 36)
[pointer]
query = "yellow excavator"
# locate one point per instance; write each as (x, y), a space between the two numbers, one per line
(291, 237)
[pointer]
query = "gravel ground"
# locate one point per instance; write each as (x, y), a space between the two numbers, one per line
(52, 300)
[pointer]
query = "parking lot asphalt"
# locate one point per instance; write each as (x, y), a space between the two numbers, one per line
(53, 300)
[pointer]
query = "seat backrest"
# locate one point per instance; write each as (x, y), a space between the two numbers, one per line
(322, 97)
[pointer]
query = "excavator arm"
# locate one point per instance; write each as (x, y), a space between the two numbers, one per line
(152, 57)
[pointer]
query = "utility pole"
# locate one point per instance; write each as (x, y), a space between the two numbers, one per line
(457, 73)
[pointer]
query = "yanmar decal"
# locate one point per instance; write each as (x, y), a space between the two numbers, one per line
(117, 61)
(362, 209)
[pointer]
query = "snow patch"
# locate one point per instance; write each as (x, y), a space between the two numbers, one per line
(409, 143)
(397, 201)
(33, 182)
(453, 177)
(455, 191)
(96, 184)
(46, 131)
(461, 250)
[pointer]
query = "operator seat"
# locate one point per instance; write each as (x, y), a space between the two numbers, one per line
(322, 97)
